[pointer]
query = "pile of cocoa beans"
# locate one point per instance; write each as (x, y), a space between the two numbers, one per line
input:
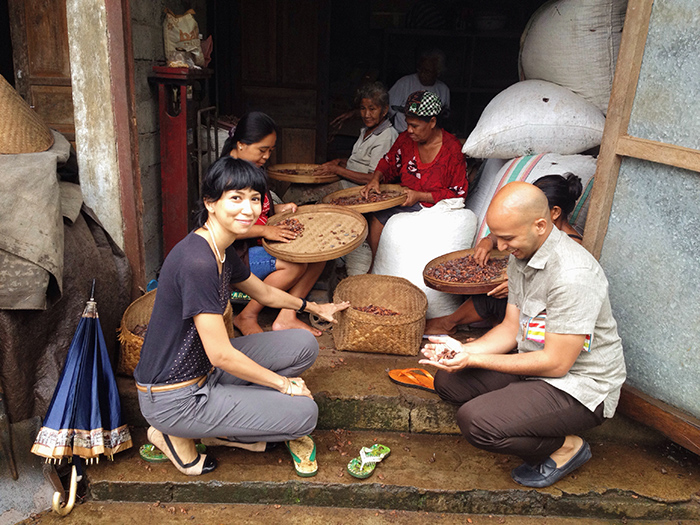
(292, 224)
(353, 200)
(294, 172)
(375, 310)
(466, 270)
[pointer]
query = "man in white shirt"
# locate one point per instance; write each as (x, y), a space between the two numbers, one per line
(430, 65)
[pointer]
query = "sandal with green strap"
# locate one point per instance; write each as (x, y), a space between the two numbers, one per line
(363, 466)
(149, 452)
(303, 452)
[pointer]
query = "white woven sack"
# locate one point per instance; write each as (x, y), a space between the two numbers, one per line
(574, 43)
(409, 241)
(534, 116)
(529, 169)
(358, 261)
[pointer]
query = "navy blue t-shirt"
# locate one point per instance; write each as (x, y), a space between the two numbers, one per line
(189, 284)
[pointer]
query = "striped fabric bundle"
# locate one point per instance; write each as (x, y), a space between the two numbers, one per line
(529, 169)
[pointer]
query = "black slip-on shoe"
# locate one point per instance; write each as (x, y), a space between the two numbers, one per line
(547, 473)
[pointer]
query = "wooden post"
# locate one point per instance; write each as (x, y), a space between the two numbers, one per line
(629, 60)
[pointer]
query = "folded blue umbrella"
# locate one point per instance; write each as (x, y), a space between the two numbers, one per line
(84, 417)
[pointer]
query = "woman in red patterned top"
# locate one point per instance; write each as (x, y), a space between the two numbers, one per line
(254, 140)
(427, 159)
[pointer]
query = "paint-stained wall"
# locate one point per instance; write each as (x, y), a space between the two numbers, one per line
(651, 249)
(95, 132)
(147, 31)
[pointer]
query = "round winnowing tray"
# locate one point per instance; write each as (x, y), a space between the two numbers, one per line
(301, 173)
(370, 206)
(329, 232)
(463, 288)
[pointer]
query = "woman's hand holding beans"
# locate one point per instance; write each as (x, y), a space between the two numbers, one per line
(372, 186)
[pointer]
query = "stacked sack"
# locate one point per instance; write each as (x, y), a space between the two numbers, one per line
(409, 241)
(541, 124)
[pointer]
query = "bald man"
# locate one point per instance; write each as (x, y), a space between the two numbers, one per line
(554, 367)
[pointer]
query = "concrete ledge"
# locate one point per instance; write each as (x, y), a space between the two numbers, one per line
(353, 392)
(432, 473)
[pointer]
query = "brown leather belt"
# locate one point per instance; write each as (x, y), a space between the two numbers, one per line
(174, 386)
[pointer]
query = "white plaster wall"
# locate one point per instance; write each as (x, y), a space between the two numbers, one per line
(94, 117)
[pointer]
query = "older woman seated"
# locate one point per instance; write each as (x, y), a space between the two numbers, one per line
(427, 159)
(376, 137)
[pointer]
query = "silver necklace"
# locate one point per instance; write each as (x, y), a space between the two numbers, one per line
(213, 240)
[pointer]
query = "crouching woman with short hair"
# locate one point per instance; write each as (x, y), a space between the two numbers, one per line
(195, 382)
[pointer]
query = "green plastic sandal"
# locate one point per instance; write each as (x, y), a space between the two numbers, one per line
(363, 466)
(149, 452)
(303, 452)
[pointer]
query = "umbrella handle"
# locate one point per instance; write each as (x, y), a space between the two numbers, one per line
(64, 511)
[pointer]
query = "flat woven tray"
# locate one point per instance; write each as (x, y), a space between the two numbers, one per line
(371, 206)
(301, 173)
(463, 288)
(329, 232)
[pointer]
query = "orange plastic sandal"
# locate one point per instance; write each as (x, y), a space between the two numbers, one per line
(413, 378)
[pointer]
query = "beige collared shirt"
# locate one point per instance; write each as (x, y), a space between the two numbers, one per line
(562, 289)
(367, 152)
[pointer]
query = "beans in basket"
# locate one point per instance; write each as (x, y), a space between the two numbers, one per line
(375, 310)
(353, 200)
(289, 171)
(292, 224)
(466, 270)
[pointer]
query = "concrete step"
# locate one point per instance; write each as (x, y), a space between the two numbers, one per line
(354, 392)
(168, 514)
(425, 472)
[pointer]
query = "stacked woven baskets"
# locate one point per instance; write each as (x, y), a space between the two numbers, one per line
(139, 313)
(364, 332)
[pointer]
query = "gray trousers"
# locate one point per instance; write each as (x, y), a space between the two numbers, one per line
(226, 406)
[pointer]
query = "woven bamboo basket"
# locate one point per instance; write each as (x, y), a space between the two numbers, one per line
(139, 312)
(364, 332)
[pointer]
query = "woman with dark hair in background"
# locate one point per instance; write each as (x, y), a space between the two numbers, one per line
(427, 159)
(562, 192)
(195, 382)
(254, 140)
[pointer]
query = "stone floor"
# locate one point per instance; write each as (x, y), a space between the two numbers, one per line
(97, 512)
